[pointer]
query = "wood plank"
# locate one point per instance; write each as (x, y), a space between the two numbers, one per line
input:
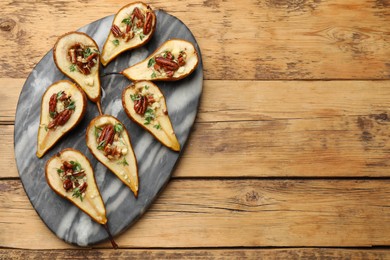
(283, 39)
(288, 253)
(263, 100)
(9, 92)
(342, 146)
(295, 128)
(231, 213)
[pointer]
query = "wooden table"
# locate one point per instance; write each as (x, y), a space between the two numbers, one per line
(290, 153)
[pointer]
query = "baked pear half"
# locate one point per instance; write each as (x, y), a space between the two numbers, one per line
(173, 60)
(77, 56)
(109, 142)
(145, 104)
(69, 174)
(63, 106)
(132, 27)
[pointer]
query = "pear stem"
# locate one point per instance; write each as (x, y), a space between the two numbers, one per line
(114, 245)
(99, 107)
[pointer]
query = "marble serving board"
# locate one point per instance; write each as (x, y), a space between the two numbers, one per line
(155, 162)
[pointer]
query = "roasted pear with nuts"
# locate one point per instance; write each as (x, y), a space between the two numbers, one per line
(173, 60)
(62, 108)
(145, 104)
(109, 142)
(133, 26)
(69, 174)
(77, 56)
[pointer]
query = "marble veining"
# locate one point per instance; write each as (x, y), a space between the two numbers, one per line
(155, 161)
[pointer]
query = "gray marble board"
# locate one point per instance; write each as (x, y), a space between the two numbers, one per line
(155, 162)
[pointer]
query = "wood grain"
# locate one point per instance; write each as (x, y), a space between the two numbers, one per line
(288, 253)
(231, 213)
(283, 39)
(9, 93)
(227, 100)
(343, 147)
(291, 128)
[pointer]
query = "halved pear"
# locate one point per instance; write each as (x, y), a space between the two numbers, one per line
(109, 142)
(126, 31)
(155, 118)
(83, 68)
(62, 180)
(182, 61)
(76, 103)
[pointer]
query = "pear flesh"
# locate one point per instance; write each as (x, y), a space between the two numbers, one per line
(90, 83)
(62, 180)
(114, 151)
(155, 118)
(132, 32)
(76, 104)
(182, 57)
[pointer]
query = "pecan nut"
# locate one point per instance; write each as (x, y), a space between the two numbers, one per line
(167, 64)
(107, 135)
(67, 184)
(151, 99)
(53, 104)
(137, 13)
(169, 55)
(60, 119)
(140, 24)
(63, 96)
(64, 116)
(67, 165)
(83, 187)
(72, 56)
(116, 31)
(79, 174)
(148, 23)
(128, 36)
(181, 61)
(84, 68)
(92, 56)
(141, 105)
(128, 28)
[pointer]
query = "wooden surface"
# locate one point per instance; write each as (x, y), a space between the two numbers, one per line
(290, 153)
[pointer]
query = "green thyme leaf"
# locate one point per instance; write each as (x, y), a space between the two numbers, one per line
(149, 116)
(158, 126)
(46, 128)
(153, 75)
(115, 42)
(127, 21)
(141, 36)
(60, 171)
(72, 68)
(123, 162)
(77, 194)
(59, 94)
(146, 87)
(97, 131)
(118, 128)
(71, 106)
(101, 145)
(151, 62)
(87, 52)
(52, 114)
(135, 97)
(76, 166)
